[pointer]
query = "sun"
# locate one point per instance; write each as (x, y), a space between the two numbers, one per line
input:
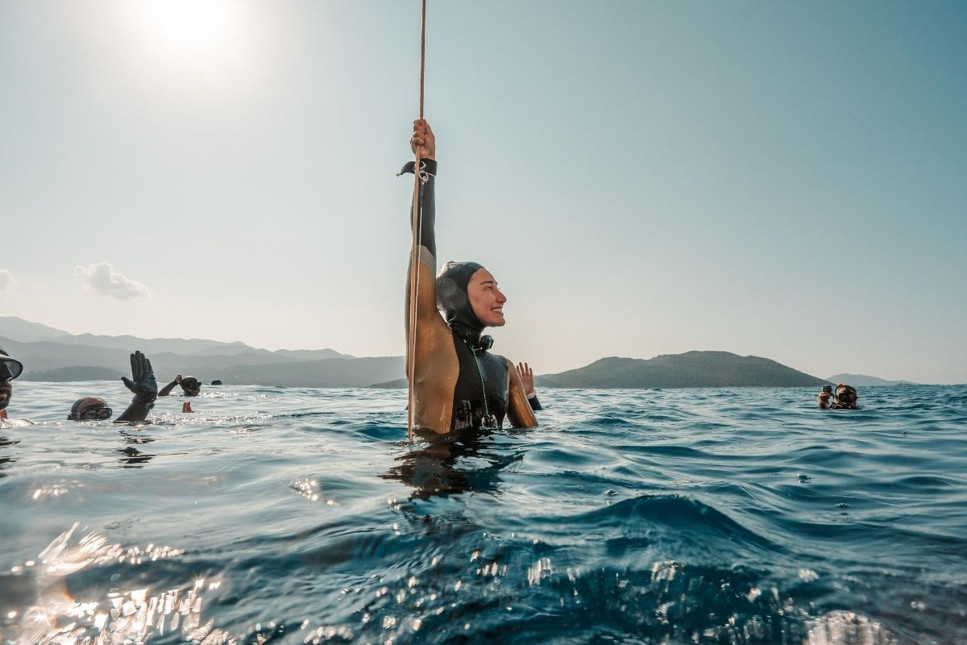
(195, 27)
(190, 26)
(191, 50)
(184, 30)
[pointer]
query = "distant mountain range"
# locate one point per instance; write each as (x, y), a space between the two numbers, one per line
(50, 354)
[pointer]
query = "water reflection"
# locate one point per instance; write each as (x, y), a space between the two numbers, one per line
(134, 441)
(453, 464)
(5, 459)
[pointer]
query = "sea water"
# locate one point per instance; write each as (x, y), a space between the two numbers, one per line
(305, 516)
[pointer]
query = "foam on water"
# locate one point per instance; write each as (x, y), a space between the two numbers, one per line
(303, 516)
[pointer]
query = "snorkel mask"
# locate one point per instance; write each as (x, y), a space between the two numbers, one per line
(90, 408)
(10, 368)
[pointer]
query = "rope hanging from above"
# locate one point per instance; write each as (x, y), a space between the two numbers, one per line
(415, 259)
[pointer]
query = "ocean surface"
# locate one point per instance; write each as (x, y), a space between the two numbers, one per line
(303, 516)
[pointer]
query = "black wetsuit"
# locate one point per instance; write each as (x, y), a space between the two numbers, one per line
(480, 395)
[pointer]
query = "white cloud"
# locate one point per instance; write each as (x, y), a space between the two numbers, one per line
(6, 280)
(103, 279)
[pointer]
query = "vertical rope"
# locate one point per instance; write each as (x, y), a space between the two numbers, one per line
(415, 251)
(422, 55)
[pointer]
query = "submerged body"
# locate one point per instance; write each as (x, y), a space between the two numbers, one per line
(457, 382)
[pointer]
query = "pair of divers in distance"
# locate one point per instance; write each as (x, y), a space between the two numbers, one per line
(144, 387)
(843, 399)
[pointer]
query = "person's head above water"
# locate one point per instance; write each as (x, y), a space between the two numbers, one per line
(469, 297)
(846, 396)
(10, 368)
(90, 408)
(190, 385)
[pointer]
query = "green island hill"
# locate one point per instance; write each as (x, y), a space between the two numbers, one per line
(691, 369)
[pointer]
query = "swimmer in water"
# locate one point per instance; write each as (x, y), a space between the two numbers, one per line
(457, 382)
(190, 386)
(142, 384)
(845, 398)
(90, 408)
(10, 369)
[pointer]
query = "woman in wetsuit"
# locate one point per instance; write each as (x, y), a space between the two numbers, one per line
(457, 382)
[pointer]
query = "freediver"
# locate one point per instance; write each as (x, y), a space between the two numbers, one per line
(457, 383)
(142, 384)
(845, 398)
(190, 386)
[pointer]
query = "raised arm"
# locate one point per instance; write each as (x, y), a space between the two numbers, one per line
(526, 375)
(143, 385)
(519, 411)
(424, 143)
(166, 390)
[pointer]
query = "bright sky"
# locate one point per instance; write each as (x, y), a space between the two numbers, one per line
(771, 178)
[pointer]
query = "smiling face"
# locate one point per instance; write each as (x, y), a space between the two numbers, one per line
(486, 299)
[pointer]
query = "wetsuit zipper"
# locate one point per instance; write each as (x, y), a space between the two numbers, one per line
(488, 421)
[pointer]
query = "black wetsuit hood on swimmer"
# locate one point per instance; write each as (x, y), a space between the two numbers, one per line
(454, 301)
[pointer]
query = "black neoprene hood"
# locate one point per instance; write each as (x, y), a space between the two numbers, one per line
(452, 297)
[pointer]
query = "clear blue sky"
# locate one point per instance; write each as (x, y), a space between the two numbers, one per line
(643, 178)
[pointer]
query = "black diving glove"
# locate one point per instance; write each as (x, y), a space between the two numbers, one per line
(142, 383)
